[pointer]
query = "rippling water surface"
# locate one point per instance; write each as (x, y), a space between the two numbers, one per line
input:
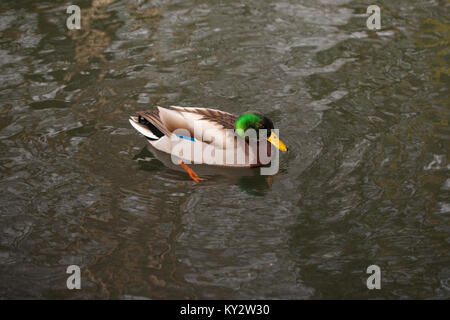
(366, 180)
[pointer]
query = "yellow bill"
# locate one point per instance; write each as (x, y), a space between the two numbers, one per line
(273, 139)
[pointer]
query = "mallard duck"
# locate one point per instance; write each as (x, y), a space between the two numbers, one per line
(206, 136)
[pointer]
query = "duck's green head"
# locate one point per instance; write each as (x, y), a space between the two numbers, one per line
(255, 120)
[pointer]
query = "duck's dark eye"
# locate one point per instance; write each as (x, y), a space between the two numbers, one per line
(267, 123)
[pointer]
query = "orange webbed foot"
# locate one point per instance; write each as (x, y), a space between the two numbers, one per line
(191, 172)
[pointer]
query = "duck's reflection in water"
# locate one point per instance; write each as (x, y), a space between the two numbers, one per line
(247, 179)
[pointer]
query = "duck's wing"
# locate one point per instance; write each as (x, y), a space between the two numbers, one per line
(204, 124)
(215, 117)
(210, 126)
(169, 120)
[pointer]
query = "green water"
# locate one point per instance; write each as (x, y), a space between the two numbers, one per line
(364, 114)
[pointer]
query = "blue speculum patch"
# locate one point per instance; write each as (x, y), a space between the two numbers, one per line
(185, 137)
